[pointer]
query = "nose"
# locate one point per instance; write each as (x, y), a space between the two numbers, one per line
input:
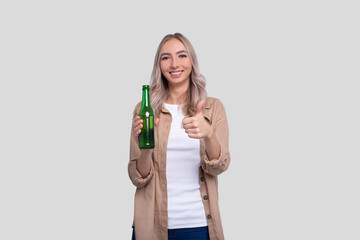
(174, 63)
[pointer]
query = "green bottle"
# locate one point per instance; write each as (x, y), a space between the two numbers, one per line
(147, 135)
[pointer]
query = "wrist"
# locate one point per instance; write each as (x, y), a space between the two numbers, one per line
(146, 151)
(210, 134)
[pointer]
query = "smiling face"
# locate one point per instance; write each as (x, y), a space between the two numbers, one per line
(175, 63)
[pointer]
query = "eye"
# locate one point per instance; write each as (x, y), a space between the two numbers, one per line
(182, 56)
(165, 58)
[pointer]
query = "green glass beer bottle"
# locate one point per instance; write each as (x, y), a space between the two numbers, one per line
(147, 135)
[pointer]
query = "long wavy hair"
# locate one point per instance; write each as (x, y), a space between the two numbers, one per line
(159, 88)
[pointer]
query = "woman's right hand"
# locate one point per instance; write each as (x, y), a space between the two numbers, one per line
(137, 125)
(144, 161)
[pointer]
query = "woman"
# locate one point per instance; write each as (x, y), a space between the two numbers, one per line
(176, 195)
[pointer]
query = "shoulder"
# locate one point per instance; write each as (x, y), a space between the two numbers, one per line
(214, 109)
(137, 108)
(138, 105)
(213, 103)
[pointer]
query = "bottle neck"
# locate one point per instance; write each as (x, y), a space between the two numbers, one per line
(146, 98)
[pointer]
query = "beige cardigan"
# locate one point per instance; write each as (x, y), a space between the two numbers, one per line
(150, 212)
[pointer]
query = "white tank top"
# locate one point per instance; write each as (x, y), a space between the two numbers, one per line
(185, 207)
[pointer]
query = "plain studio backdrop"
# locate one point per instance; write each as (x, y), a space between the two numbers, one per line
(287, 72)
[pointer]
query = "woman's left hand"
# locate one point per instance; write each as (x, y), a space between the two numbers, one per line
(197, 127)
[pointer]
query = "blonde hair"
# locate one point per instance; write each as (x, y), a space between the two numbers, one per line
(158, 83)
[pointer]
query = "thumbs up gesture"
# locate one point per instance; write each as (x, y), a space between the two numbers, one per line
(197, 127)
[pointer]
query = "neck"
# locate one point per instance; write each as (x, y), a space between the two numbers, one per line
(178, 93)
(177, 96)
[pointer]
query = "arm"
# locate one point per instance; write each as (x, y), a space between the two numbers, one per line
(140, 166)
(143, 164)
(212, 146)
(215, 137)
(217, 157)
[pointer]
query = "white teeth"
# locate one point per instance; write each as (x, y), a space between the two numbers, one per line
(176, 73)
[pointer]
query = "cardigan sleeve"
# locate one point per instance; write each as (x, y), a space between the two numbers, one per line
(134, 155)
(221, 130)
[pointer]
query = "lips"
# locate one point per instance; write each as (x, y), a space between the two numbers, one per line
(176, 74)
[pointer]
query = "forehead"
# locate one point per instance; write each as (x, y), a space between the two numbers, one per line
(173, 45)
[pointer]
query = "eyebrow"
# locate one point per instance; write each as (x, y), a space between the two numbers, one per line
(182, 51)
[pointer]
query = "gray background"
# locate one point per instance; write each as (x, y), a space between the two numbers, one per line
(287, 72)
